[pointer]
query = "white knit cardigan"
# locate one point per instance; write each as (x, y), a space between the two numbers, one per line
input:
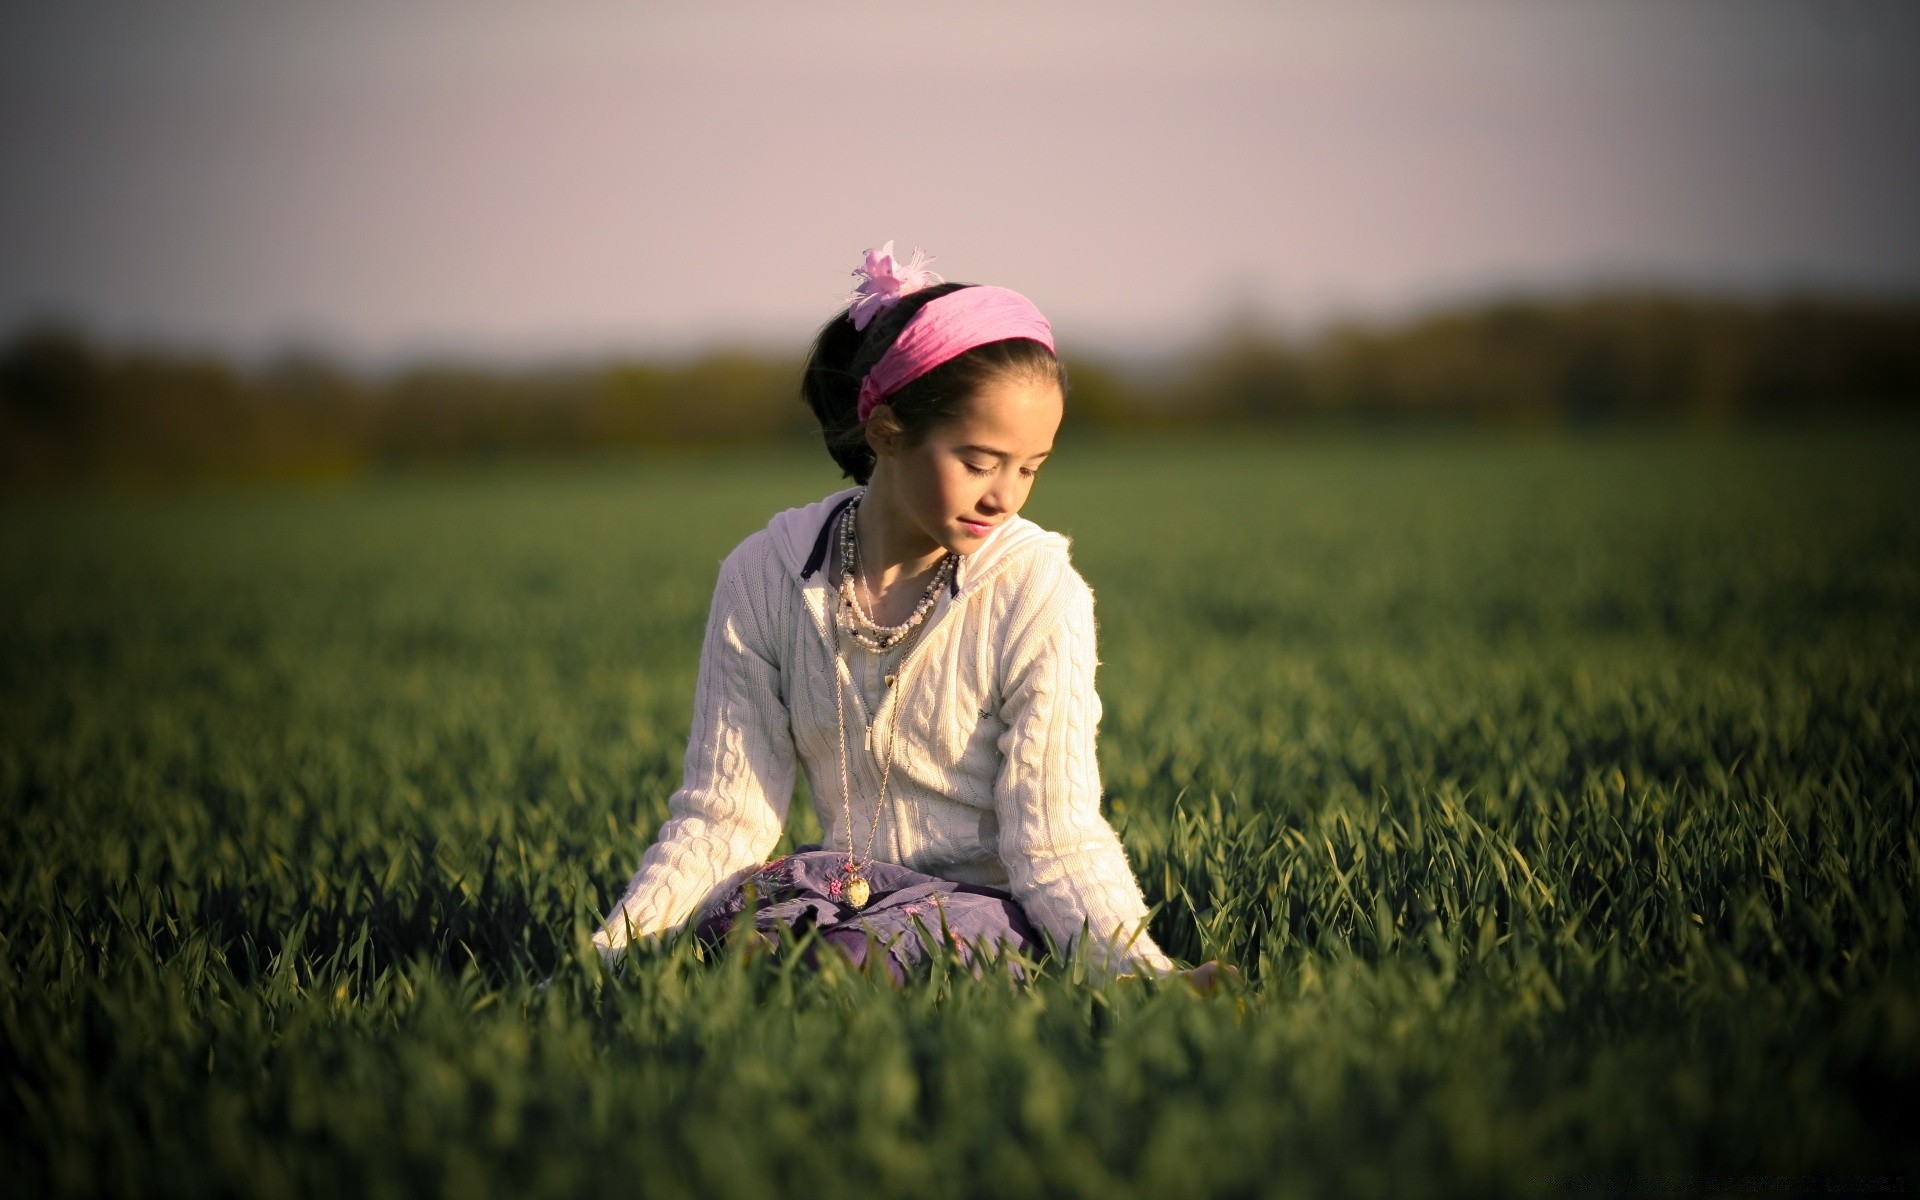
(994, 779)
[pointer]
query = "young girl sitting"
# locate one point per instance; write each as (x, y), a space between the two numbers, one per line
(923, 652)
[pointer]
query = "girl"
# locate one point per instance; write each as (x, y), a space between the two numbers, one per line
(922, 651)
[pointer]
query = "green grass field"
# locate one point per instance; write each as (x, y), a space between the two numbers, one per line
(1557, 799)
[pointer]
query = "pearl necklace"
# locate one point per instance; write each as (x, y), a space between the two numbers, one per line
(864, 629)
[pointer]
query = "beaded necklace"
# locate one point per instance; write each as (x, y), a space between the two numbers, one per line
(865, 630)
(879, 638)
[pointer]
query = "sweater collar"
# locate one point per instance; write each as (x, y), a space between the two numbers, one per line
(804, 534)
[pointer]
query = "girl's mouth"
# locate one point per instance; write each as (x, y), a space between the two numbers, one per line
(976, 528)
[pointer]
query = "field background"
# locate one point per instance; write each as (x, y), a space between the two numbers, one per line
(1555, 795)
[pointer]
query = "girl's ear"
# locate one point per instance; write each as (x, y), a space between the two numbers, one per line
(884, 434)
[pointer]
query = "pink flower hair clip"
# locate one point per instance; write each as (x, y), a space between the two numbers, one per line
(883, 281)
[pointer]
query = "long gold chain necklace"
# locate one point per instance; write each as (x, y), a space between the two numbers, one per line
(858, 888)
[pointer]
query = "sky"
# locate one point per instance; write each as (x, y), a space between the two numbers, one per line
(505, 181)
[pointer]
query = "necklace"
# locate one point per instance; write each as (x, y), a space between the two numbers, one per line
(854, 618)
(858, 889)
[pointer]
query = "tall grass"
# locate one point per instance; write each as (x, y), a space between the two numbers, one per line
(1556, 799)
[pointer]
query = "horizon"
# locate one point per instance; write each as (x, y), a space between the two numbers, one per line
(1152, 359)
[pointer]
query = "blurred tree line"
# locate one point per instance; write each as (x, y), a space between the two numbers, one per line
(73, 411)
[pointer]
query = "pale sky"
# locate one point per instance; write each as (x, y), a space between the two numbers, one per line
(559, 178)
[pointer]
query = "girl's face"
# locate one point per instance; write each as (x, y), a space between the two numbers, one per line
(973, 472)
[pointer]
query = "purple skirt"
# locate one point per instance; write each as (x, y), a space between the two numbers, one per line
(807, 890)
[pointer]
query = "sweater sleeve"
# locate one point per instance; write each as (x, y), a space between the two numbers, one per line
(1064, 862)
(736, 782)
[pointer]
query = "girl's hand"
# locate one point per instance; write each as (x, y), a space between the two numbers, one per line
(1206, 977)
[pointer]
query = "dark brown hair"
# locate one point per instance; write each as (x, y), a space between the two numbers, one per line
(842, 356)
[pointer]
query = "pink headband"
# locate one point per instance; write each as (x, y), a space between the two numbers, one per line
(946, 328)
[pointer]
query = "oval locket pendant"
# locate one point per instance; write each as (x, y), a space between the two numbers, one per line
(858, 891)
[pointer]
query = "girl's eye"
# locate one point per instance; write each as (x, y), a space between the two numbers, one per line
(973, 470)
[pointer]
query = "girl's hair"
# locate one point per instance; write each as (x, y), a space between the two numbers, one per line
(842, 355)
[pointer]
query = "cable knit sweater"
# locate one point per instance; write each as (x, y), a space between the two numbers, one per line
(994, 779)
